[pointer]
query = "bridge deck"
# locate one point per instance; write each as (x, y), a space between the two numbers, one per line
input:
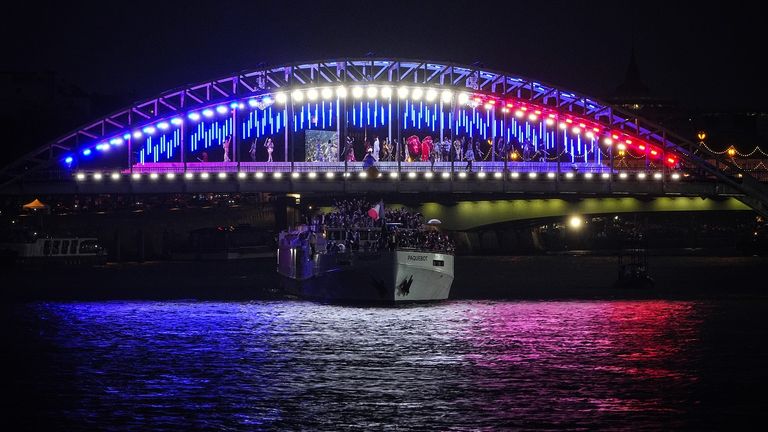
(340, 167)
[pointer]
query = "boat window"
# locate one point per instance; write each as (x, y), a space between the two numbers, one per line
(64, 246)
(55, 248)
(47, 247)
(89, 246)
(438, 263)
(73, 247)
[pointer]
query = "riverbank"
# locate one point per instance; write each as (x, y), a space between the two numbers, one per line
(477, 277)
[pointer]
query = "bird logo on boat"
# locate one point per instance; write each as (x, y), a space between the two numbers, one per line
(405, 286)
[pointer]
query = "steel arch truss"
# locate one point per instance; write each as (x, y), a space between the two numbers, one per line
(364, 70)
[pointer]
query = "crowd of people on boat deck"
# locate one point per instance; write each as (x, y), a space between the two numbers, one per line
(400, 228)
(353, 213)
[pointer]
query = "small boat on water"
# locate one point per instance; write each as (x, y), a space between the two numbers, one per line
(633, 266)
(386, 263)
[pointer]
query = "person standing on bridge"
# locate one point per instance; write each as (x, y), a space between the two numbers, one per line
(227, 143)
(270, 148)
(469, 156)
(252, 151)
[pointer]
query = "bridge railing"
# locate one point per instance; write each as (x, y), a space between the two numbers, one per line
(383, 166)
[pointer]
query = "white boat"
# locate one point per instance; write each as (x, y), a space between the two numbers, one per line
(368, 272)
(54, 250)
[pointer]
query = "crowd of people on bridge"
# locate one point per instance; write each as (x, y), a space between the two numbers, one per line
(428, 149)
(412, 149)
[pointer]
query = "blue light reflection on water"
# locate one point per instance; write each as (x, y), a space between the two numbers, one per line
(586, 364)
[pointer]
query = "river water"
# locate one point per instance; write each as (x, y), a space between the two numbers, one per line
(458, 365)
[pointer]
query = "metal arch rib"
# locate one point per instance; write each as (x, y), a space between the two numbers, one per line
(380, 69)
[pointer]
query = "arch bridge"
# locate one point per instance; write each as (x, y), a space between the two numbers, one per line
(433, 126)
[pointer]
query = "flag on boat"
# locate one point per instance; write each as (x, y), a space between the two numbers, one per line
(377, 211)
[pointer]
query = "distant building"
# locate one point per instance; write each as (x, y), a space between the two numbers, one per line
(744, 130)
(634, 96)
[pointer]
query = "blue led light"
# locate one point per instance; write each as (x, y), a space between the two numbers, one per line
(86, 152)
(194, 116)
(209, 112)
(127, 136)
(221, 109)
(68, 159)
(176, 121)
(148, 130)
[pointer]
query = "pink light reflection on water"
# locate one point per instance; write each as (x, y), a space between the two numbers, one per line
(606, 356)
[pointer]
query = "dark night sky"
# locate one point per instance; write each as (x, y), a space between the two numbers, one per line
(703, 56)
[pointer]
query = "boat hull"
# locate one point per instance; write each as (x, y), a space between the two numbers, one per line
(389, 277)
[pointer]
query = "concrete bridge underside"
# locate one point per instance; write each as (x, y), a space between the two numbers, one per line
(468, 215)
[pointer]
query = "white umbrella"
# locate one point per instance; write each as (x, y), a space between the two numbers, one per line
(434, 222)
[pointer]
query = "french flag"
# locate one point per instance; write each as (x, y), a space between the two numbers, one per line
(376, 211)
